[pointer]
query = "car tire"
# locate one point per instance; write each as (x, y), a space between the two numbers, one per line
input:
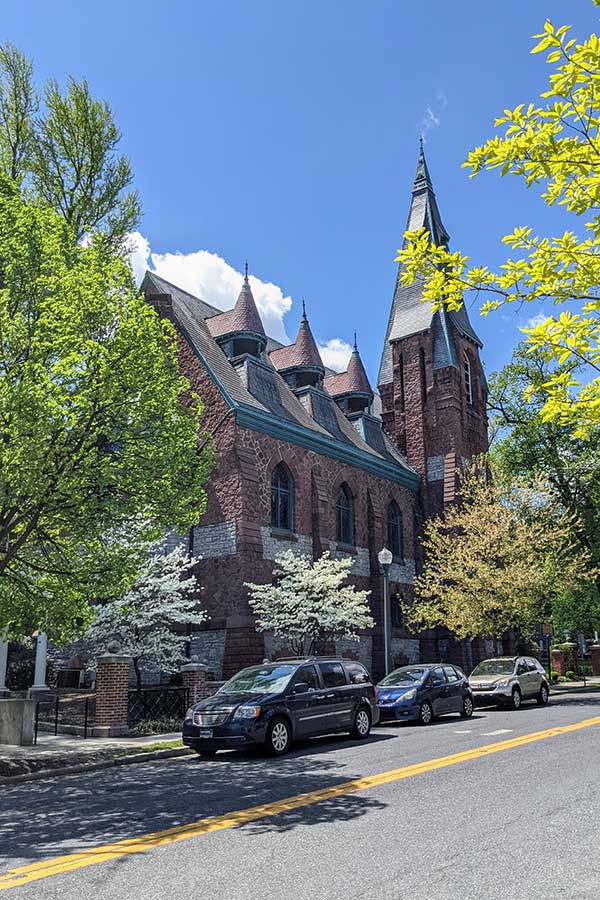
(515, 699)
(425, 713)
(361, 727)
(468, 706)
(279, 736)
(542, 697)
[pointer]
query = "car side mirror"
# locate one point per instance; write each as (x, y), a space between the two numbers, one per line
(301, 687)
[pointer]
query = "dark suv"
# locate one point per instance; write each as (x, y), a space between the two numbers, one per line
(275, 703)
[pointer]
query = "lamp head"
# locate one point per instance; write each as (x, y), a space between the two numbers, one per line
(385, 556)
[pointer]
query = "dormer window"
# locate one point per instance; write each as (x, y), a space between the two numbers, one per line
(468, 381)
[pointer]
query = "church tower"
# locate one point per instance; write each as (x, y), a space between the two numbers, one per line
(431, 380)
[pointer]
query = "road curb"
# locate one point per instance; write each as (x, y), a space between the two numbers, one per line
(8, 780)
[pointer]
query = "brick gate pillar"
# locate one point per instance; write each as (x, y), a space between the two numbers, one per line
(194, 681)
(595, 654)
(112, 695)
(558, 661)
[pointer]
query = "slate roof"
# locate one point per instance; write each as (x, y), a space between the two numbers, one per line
(257, 385)
(303, 353)
(353, 381)
(409, 315)
(243, 317)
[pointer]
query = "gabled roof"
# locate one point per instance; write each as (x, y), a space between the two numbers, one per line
(303, 353)
(243, 317)
(263, 401)
(353, 381)
(409, 314)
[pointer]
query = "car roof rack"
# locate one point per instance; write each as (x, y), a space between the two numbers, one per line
(311, 658)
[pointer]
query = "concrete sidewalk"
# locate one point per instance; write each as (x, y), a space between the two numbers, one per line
(57, 754)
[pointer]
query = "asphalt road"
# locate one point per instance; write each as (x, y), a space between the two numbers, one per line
(517, 823)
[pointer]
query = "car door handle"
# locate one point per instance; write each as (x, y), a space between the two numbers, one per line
(330, 696)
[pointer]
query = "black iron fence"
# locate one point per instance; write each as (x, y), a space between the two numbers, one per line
(66, 713)
(157, 703)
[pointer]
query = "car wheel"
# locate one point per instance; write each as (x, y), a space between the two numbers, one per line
(467, 710)
(279, 737)
(515, 699)
(542, 697)
(362, 724)
(425, 713)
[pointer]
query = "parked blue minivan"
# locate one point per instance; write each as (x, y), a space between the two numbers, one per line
(422, 692)
(274, 704)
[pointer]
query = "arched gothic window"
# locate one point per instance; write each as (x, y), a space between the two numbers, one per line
(394, 529)
(345, 516)
(282, 498)
(467, 377)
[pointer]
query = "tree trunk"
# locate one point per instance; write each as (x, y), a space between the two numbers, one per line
(138, 674)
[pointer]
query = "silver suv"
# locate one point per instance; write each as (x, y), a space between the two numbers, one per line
(508, 680)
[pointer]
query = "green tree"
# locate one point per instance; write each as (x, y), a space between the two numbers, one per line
(18, 107)
(486, 579)
(93, 437)
(555, 145)
(576, 611)
(529, 446)
(67, 155)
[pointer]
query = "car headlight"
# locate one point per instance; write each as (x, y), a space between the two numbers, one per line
(502, 682)
(247, 712)
(190, 712)
(409, 695)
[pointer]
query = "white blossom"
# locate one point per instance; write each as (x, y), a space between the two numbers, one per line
(308, 602)
(143, 621)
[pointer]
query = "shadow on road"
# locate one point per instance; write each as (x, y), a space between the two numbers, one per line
(42, 819)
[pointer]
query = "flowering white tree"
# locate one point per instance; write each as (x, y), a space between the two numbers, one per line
(309, 602)
(143, 621)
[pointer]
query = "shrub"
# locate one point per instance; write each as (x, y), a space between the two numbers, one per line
(570, 676)
(162, 725)
(561, 679)
(554, 675)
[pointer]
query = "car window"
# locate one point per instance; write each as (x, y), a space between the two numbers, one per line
(450, 673)
(494, 667)
(459, 673)
(531, 665)
(333, 674)
(310, 676)
(357, 674)
(521, 667)
(438, 676)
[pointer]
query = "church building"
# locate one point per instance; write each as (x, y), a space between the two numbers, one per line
(315, 460)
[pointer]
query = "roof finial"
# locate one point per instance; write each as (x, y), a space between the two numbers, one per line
(246, 270)
(355, 344)
(303, 309)
(421, 141)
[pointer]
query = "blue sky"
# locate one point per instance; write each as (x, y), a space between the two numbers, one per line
(287, 133)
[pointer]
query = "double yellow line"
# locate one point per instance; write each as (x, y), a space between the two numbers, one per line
(71, 862)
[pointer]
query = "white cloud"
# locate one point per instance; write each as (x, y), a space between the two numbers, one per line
(432, 116)
(535, 321)
(335, 354)
(208, 276)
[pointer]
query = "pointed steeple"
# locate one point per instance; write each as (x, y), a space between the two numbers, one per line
(424, 212)
(409, 314)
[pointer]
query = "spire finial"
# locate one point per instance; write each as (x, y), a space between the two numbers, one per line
(355, 344)
(421, 141)
(246, 271)
(303, 309)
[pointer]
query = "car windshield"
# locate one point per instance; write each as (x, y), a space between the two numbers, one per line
(259, 680)
(494, 667)
(404, 676)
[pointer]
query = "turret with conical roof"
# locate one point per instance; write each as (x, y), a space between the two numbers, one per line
(351, 389)
(240, 330)
(300, 363)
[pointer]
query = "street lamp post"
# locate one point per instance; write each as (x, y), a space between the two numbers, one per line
(385, 558)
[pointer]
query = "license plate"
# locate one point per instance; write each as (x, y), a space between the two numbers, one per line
(205, 733)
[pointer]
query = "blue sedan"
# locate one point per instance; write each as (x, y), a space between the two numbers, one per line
(420, 693)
